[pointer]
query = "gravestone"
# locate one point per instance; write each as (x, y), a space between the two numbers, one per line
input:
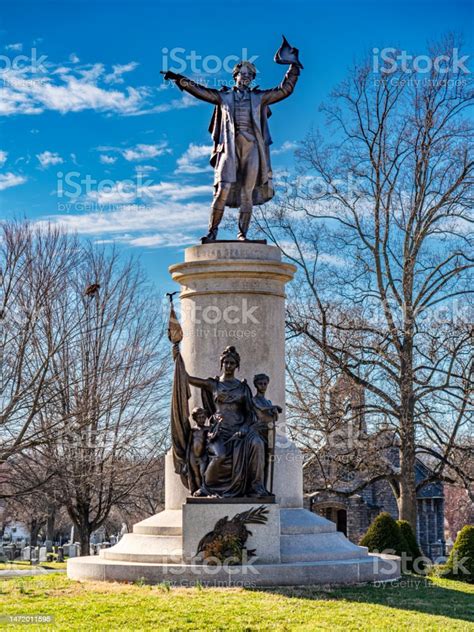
(43, 554)
(60, 554)
(35, 555)
(26, 553)
(9, 551)
(49, 545)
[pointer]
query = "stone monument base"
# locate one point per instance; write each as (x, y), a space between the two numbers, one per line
(294, 547)
(233, 292)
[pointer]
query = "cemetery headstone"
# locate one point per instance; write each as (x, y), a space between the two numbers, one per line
(43, 552)
(26, 553)
(35, 555)
(60, 554)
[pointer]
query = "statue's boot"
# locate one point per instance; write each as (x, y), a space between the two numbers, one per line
(215, 220)
(244, 223)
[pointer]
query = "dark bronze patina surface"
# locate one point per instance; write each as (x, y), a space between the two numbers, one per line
(241, 139)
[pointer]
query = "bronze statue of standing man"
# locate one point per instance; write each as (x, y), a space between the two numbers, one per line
(241, 138)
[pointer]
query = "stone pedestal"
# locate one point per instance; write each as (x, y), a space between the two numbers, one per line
(175, 491)
(199, 519)
(234, 294)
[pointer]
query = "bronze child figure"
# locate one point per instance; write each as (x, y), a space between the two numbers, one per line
(197, 452)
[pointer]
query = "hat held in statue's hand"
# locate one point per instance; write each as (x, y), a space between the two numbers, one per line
(286, 54)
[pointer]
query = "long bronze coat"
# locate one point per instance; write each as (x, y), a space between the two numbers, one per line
(222, 129)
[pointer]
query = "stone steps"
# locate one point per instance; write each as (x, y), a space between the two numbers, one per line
(309, 547)
(305, 537)
(302, 521)
(168, 522)
(152, 549)
(350, 571)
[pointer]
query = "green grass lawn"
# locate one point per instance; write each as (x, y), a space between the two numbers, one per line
(23, 565)
(412, 604)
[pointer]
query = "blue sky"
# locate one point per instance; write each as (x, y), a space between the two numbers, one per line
(91, 137)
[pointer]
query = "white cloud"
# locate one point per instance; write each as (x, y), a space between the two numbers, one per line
(145, 152)
(8, 180)
(118, 70)
(121, 192)
(72, 87)
(130, 191)
(143, 226)
(175, 191)
(145, 168)
(64, 89)
(192, 161)
(164, 239)
(3, 157)
(21, 96)
(107, 160)
(15, 47)
(288, 145)
(47, 158)
(308, 252)
(186, 101)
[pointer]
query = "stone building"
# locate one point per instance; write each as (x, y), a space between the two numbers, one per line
(353, 513)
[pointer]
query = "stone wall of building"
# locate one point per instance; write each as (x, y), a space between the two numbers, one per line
(362, 508)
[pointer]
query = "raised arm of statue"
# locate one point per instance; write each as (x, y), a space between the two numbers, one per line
(210, 95)
(206, 383)
(286, 87)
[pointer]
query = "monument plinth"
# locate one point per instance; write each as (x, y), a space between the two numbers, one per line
(233, 293)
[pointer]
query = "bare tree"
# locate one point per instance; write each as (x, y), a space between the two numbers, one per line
(105, 413)
(345, 443)
(459, 509)
(147, 496)
(379, 224)
(31, 491)
(35, 264)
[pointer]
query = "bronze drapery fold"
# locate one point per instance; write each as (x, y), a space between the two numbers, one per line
(179, 421)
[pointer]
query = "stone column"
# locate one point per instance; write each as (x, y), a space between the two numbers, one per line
(234, 294)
